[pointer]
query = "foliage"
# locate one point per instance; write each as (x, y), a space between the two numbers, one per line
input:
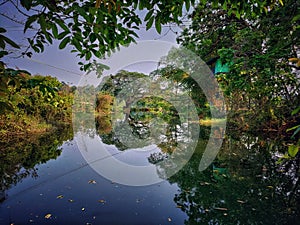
(95, 28)
(185, 83)
(29, 100)
(261, 75)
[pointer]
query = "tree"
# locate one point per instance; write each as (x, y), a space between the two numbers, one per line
(258, 49)
(97, 27)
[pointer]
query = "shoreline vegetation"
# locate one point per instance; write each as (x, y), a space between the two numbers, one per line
(32, 106)
(37, 105)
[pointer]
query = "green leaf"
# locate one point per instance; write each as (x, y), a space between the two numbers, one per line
(293, 150)
(8, 41)
(93, 37)
(295, 111)
(29, 21)
(43, 23)
(54, 30)
(141, 5)
(64, 42)
(158, 25)
(26, 4)
(88, 55)
(48, 37)
(62, 35)
(97, 54)
(149, 14)
(149, 23)
(77, 44)
(2, 43)
(62, 25)
(187, 5)
(3, 53)
(297, 17)
(2, 30)
(293, 128)
(83, 13)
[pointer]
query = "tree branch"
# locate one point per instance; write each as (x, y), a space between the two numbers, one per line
(19, 10)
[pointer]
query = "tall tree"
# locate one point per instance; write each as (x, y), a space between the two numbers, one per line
(261, 51)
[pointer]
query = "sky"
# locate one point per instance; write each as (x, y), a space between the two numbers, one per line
(63, 64)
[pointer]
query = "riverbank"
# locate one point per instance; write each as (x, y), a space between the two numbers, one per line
(14, 128)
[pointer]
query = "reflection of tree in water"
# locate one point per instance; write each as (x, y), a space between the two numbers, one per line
(254, 191)
(20, 156)
(147, 120)
(163, 132)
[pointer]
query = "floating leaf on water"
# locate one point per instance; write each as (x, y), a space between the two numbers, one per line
(59, 196)
(101, 201)
(204, 183)
(48, 216)
(92, 182)
(221, 209)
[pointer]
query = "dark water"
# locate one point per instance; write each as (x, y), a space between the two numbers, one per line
(49, 182)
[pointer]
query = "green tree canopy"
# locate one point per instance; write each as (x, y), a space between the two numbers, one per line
(264, 51)
(97, 27)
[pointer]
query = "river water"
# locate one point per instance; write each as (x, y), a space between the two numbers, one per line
(48, 181)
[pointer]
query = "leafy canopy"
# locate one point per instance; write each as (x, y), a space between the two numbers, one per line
(95, 28)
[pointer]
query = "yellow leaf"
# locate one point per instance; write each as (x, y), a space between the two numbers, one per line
(281, 2)
(48, 216)
(294, 60)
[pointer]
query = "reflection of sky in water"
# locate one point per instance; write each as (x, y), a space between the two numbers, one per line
(132, 156)
(103, 202)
